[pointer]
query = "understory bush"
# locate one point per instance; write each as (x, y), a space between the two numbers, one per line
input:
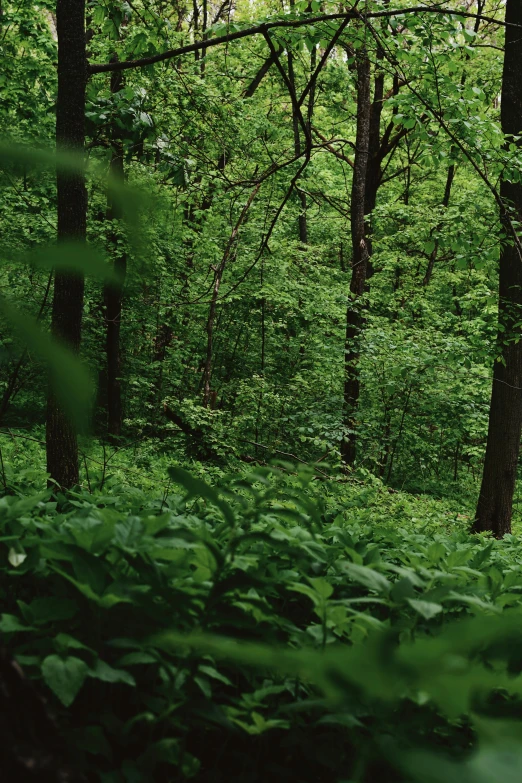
(242, 630)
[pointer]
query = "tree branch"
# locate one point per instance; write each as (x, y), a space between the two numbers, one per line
(263, 29)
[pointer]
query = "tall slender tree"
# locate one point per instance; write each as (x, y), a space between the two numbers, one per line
(113, 292)
(62, 444)
(360, 256)
(495, 503)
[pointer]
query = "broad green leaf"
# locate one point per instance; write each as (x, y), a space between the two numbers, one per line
(197, 488)
(322, 587)
(64, 676)
(427, 609)
(76, 258)
(48, 610)
(9, 623)
(63, 642)
(297, 587)
(23, 155)
(368, 577)
(102, 671)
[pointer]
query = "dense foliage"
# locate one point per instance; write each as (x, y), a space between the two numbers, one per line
(101, 592)
(198, 148)
(263, 568)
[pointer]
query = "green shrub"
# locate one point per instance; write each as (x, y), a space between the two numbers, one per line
(252, 632)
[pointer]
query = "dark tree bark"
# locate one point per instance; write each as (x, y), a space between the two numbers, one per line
(302, 221)
(379, 147)
(374, 161)
(195, 26)
(360, 255)
(371, 150)
(297, 120)
(262, 72)
(62, 445)
(113, 292)
(495, 501)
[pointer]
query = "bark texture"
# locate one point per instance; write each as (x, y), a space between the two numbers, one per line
(494, 508)
(62, 446)
(302, 220)
(360, 256)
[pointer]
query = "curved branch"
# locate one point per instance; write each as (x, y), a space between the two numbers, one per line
(263, 29)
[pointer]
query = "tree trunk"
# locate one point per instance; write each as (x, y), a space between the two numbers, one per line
(495, 501)
(375, 156)
(113, 292)
(370, 152)
(354, 317)
(62, 445)
(302, 221)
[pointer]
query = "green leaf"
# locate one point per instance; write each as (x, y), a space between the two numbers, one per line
(91, 533)
(64, 676)
(436, 551)
(90, 570)
(63, 642)
(22, 155)
(48, 610)
(297, 587)
(70, 380)
(427, 609)
(322, 586)
(211, 672)
(135, 658)
(474, 601)
(102, 671)
(367, 577)
(9, 623)
(128, 533)
(489, 765)
(75, 258)
(481, 556)
(197, 488)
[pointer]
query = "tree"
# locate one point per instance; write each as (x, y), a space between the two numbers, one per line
(360, 256)
(495, 502)
(113, 292)
(62, 444)
(202, 148)
(371, 150)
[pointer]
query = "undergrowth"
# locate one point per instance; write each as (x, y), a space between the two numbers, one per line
(267, 623)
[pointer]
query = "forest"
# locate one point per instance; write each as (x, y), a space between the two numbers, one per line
(260, 391)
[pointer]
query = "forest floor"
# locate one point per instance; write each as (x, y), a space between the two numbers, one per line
(143, 464)
(241, 622)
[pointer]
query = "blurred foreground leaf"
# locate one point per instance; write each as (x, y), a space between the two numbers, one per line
(75, 258)
(71, 382)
